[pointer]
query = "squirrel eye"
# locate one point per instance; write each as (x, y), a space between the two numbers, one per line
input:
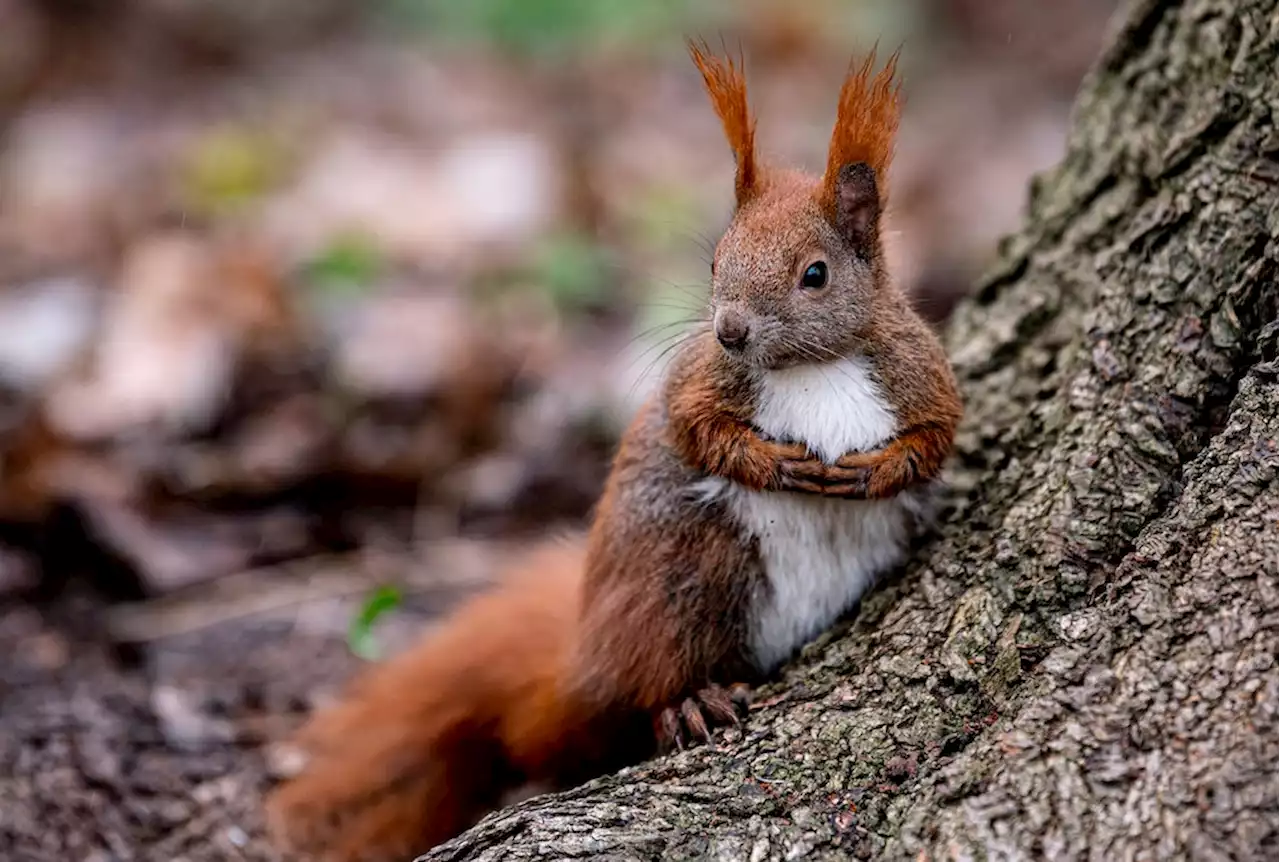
(815, 276)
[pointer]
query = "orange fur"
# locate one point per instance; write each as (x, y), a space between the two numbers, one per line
(866, 124)
(429, 741)
(714, 434)
(727, 86)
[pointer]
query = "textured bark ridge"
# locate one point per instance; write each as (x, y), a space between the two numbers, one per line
(1083, 664)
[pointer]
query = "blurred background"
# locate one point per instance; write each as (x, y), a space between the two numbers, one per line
(312, 311)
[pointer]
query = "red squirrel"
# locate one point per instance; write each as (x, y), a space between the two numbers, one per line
(784, 464)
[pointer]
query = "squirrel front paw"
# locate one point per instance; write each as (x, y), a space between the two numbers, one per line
(687, 721)
(848, 477)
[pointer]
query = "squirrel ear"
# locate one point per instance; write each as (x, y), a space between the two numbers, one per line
(855, 185)
(727, 86)
(857, 207)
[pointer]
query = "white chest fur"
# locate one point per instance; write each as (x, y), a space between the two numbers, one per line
(835, 407)
(819, 555)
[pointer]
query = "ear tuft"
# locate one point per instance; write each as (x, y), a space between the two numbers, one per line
(861, 148)
(727, 86)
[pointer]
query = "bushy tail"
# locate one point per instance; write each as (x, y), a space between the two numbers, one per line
(427, 743)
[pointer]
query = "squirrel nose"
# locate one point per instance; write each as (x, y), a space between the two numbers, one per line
(731, 329)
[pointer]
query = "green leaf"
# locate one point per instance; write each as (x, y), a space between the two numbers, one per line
(666, 303)
(348, 264)
(360, 639)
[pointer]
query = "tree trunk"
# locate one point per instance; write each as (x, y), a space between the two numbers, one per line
(1083, 663)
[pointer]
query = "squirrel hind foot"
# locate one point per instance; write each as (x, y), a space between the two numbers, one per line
(692, 719)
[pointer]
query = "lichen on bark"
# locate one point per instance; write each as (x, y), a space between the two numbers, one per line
(1082, 664)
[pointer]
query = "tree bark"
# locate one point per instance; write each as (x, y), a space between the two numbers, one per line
(1082, 664)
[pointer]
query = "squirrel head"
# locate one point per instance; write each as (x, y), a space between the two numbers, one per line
(796, 275)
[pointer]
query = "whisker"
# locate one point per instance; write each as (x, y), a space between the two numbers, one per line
(818, 364)
(657, 345)
(831, 364)
(671, 306)
(684, 231)
(702, 299)
(654, 330)
(677, 347)
(643, 275)
(823, 365)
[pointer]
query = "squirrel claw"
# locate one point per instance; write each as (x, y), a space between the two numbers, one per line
(721, 704)
(690, 718)
(667, 728)
(691, 712)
